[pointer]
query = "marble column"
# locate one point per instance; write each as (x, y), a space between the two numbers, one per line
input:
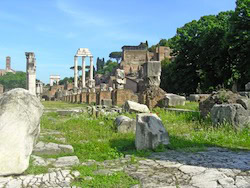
(91, 68)
(75, 72)
(83, 72)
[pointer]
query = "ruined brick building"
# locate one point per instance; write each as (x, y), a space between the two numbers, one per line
(133, 57)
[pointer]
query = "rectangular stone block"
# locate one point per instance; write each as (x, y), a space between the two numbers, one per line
(120, 96)
(102, 95)
(152, 69)
(78, 98)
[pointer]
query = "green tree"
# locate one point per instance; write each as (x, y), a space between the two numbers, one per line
(116, 55)
(65, 80)
(238, 39)
(201, 55)
(11, 81)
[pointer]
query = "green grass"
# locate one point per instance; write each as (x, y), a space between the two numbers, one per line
(189, 105)
(60, 105)
(115, 180)
(36, 169)
(187, 131)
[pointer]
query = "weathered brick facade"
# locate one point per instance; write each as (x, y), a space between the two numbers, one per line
(102, 95)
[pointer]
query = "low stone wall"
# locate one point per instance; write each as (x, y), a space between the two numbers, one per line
(118, 97)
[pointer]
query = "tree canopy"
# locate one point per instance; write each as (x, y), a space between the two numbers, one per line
(116, 55)
(211, 52)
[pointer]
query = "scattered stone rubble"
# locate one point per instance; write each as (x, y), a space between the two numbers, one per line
(103, 110)
(227, 107)
(220, 97)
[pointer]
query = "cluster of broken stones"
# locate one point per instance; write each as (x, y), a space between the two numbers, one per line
(227, 107)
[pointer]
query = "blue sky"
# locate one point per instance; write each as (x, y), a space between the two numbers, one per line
(55, 29)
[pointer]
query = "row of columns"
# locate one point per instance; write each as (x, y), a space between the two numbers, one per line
(83, 71)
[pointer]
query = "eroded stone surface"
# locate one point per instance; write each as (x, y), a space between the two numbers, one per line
(20, 113)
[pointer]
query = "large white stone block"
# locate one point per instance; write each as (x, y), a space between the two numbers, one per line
(131, 106)
(20, 113)
(150, 132)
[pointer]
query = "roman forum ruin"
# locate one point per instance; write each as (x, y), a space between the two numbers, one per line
(31, 72)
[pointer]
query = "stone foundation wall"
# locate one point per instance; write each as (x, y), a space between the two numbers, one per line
(122, 95)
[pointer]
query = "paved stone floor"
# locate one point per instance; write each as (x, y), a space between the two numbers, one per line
(56, 178)
(214, 168)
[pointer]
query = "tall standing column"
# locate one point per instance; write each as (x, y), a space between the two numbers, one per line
(31, 72)
(83, 72)
(75, 72)
(91, 68)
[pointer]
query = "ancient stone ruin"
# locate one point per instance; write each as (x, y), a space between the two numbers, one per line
(31, 72)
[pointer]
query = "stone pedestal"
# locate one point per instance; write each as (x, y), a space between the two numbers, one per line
(102, 95)
(91, 98)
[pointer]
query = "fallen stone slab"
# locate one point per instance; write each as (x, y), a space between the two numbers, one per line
(20, 113)
(150, 132)
(66, 161)
(173, 100)
(42, 148)
(131, 106)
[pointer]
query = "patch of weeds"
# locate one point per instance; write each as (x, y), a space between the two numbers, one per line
(133, 159)
(189, 105)
(36, 169)
(115, 180)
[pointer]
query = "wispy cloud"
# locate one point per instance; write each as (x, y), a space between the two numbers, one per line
(115, 28)
(81, 17)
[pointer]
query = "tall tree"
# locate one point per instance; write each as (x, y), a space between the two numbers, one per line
(202, 57)
(238, 39)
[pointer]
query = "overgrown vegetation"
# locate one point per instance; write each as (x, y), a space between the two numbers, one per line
(100, 141)
(108, 67)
